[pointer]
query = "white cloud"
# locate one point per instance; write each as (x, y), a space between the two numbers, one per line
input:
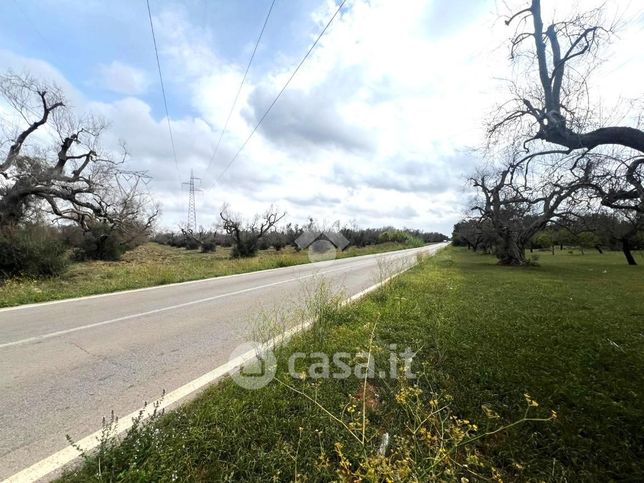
(374, 128)
(18, 64)
(123, 79)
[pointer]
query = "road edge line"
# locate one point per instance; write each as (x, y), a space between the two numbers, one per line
(68, 454)
(189, 282)
(71, 330)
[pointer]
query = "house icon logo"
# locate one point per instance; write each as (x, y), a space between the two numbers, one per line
(321, 245)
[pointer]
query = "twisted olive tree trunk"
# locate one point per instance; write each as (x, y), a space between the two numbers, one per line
(511, 250)
(626, 249)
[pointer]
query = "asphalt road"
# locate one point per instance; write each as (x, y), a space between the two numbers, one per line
(65, 365)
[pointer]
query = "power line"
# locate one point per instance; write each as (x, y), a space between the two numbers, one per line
(241, 148)
(165, 100)
(232, 108)
(32, 25)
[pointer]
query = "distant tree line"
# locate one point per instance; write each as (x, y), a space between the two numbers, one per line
(598, 231)
(373, 236)
(263, 232)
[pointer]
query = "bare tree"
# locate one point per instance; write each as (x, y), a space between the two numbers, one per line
(246, 235)
(553, 121)
(521, 198)
(618, 181)
(551, 109)
(52, 162)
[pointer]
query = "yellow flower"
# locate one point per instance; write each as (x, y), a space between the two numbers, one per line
(489, 412)
(531, 402)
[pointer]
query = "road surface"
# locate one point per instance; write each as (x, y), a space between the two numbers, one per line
(66, 364)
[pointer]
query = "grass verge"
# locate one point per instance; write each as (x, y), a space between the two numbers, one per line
(522, 374)
(153, 264)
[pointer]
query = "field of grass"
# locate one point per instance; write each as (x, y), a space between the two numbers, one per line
(522, 374)
(153, 264)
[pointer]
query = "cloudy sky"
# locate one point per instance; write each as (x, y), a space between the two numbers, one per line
(375, 128)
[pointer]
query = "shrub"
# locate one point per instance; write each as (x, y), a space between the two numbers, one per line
(400, 236)
(208, 246)
(414, 242)
(31, 251)
(245, 247)
(396, 236)
(191, 244)
(101, 242)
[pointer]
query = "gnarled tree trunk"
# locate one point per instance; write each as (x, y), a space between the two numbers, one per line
(511, 251)
(626, 248)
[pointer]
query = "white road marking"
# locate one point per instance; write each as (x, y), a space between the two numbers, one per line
(58, 333)
(67, 455)
(202, 280)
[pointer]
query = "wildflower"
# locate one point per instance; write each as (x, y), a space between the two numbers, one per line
(489, 412)
(531, 402)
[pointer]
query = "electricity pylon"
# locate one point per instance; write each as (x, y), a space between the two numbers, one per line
(191, 225)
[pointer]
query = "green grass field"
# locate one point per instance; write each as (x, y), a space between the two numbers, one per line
(523, 374)
(154, 264)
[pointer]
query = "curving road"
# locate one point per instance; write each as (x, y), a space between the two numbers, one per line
(66, 364)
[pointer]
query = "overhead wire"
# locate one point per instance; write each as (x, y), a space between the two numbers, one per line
(32, 26)
(241, 85)
(165, 99)
(279, 94)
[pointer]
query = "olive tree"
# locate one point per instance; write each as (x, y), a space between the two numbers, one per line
(521, 197)
(553, 104)
(247, 234)
(552, 118)
(52, 166)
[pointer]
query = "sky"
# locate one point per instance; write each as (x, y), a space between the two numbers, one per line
(376, 129)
